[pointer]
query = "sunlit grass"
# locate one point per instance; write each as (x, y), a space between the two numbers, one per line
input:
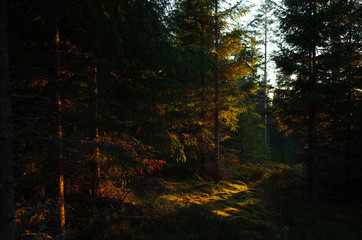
(228, 211)
(271, 208)
(197, 209)
(205, 193)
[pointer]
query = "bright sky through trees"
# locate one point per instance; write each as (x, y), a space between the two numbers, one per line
(244, 21)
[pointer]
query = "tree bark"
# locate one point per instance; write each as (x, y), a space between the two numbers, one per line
(217, 147)
(241, 144)
(7, 228)
(265, 87)
(61, 198)
(312, 112)
(54, 80)
(94, 115)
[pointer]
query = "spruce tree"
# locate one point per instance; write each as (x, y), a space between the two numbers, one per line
(197, 26)
(301, 23)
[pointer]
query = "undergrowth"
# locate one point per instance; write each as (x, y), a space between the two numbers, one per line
(205, 210)
(255, 202)
(305, 218)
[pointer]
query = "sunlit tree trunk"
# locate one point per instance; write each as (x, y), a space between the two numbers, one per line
(95, 135)
(7, 229)
(54, 78)
(205, 168)
(61, 199)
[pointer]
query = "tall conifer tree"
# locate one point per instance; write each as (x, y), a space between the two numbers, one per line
(301, 24)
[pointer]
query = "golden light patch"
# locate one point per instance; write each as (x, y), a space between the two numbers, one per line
(247, 202)
(221, 213)
(226, 211)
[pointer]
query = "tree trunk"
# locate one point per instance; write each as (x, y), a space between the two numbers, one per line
(350, 100)
(61, 200)
(312, 112)
(217, 149)
(94, 115)
(54, 79)
(265, 88)
(241, 145)
(7, 229)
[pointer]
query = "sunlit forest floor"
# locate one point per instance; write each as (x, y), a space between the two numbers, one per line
(267, 202)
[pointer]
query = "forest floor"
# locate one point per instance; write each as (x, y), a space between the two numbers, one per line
(272, 207)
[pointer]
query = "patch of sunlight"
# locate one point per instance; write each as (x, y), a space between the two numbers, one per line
(220, 191)
(226, 212)
(233, 187)
(207, 193)
(172, 198)
(201, 200)
(221, 213)
(247, 202)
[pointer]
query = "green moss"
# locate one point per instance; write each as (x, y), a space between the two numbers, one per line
(205, 210)
(275, 207)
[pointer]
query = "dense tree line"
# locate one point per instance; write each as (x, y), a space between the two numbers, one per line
(320, 94)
